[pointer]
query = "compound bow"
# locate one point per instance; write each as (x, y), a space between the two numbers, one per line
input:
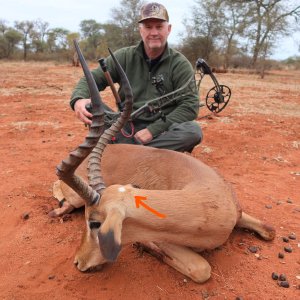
(218, 96)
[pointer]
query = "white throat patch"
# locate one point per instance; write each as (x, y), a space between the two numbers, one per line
(121, 189)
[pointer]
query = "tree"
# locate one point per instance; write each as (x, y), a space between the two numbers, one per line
(57, 39)
(270, 20)
(112, 36)
(3, 26)
(195, 47)
(70, 39)
(38, 36)
(205, 26)
(9, 39)
(126, 17)
(12, 37)
(217, 24)
(237, 27)
(235, 21)
(26, 29)
(93, 33)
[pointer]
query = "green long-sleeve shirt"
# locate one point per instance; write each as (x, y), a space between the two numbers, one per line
(173, 67)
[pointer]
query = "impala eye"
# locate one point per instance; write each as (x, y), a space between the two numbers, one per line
(94, 225)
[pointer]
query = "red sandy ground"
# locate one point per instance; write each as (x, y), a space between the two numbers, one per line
(254, 143)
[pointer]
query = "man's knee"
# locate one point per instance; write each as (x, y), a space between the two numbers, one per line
(196, 132)
(189, 131)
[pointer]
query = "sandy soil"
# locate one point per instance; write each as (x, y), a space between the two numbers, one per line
(254, 143)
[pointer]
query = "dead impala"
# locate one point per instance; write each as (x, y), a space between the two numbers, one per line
(198, 209)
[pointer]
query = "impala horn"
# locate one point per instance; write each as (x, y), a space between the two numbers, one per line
(66, 169)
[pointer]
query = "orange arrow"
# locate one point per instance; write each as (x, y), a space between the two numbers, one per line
(138, 202)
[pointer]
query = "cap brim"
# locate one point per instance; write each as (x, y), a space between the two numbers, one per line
(153, 18)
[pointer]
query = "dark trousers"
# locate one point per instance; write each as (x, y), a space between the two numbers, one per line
(179, 137)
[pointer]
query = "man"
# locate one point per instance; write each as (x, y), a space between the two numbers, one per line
(153, 69)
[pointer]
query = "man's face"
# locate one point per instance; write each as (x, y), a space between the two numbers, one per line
(154, 33)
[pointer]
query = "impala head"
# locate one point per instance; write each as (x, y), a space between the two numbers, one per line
(101, 241)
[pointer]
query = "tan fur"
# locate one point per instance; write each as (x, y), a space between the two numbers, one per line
(201, 209)
(145, 167)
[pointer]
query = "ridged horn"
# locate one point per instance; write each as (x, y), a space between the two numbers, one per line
(94, 166)
(66, 169)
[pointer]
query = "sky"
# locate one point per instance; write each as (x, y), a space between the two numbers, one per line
(68, 14)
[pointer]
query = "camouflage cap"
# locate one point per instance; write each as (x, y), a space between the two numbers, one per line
(153, 10)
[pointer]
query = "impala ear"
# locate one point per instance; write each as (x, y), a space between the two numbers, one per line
(109, 234)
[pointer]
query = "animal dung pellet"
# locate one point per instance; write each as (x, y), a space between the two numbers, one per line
(288, 249)
(275, 276)
(280, 255)
(282, 277)
(285, 239)
(253, 249)
(284, 284)
(292, 236)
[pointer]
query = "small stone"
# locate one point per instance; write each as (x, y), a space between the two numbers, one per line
(184, 280)
(288, 249)
(282, 277)
(280, 255)
(279, 202)
(253, 249)
(289, 201)
(275, 276)
(268, 206)
(50, 277)
(284, 284)
(292, 236)
(205, 294)
(239, 298)
(285, 239)
(298, 277)
(25, 216)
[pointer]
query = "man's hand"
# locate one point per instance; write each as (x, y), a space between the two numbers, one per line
(81, 112)
(143, 136)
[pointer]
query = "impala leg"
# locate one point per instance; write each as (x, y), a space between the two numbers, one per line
(183, 259)
(67, 198)
(66, 208)
(266, 231)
